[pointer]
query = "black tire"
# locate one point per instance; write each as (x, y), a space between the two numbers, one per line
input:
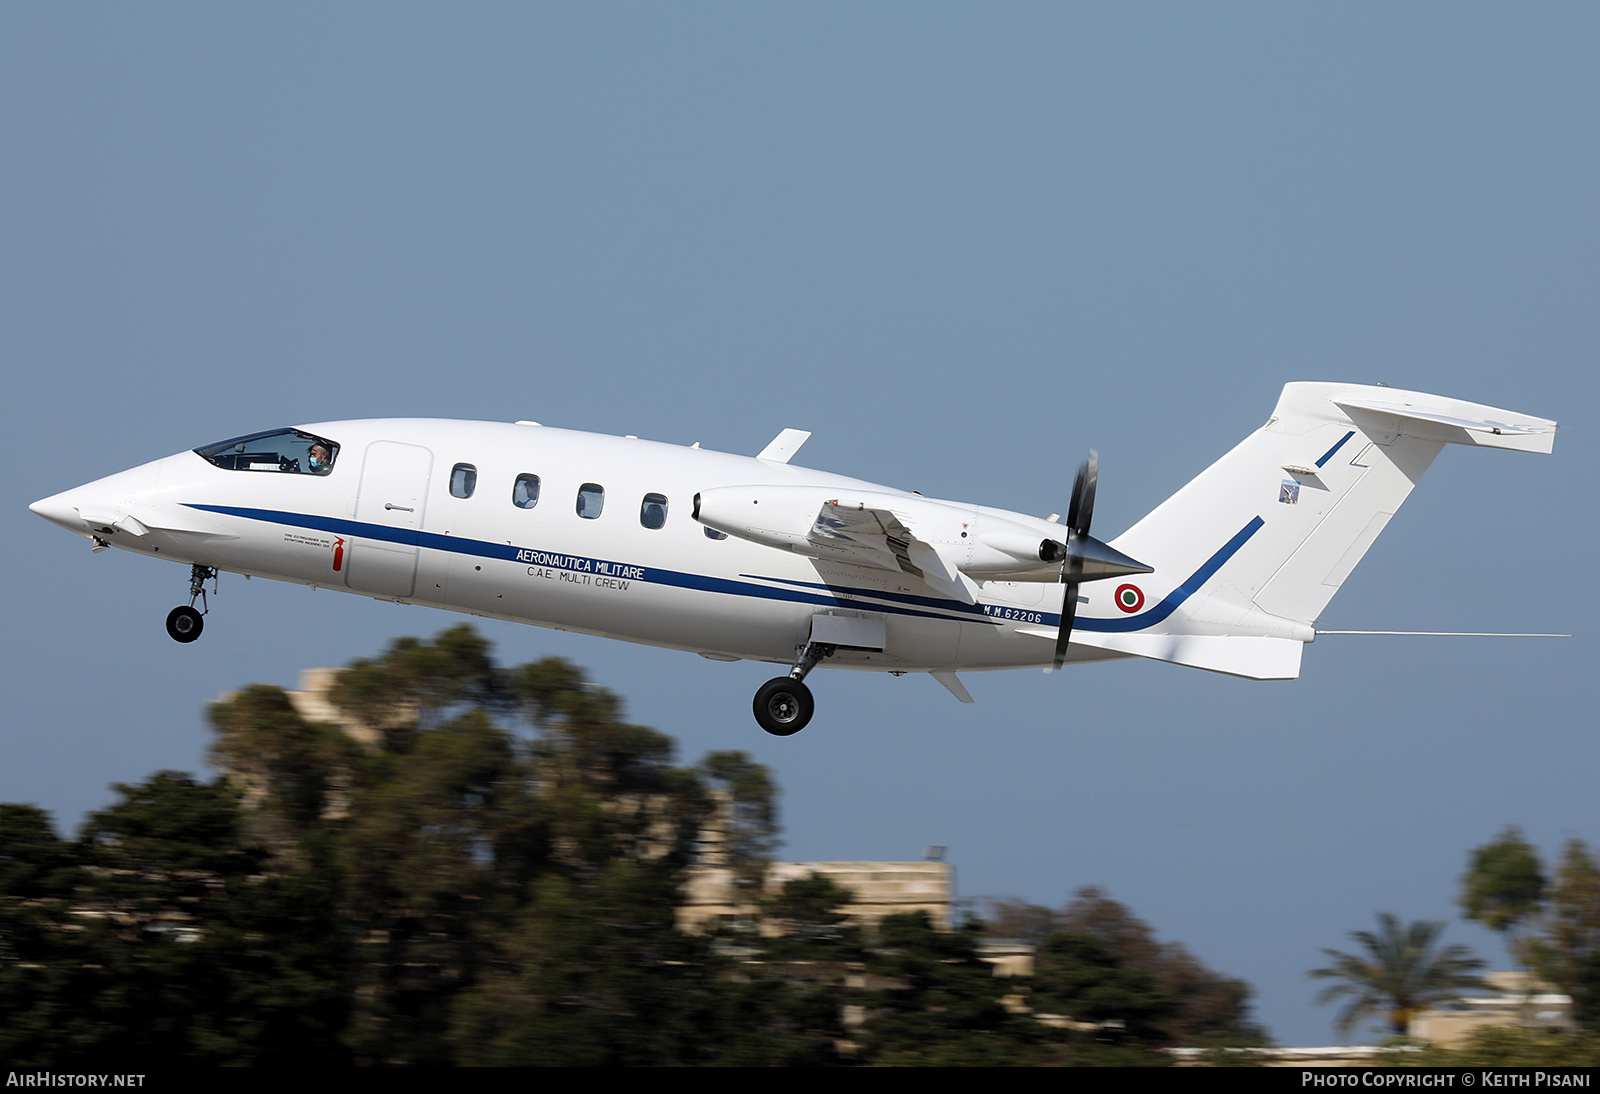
(784, 706)
(185, 624)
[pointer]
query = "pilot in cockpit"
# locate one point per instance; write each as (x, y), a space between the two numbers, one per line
(320, 459)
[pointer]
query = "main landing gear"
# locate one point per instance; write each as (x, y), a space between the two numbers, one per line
(184, 624)
(784, 705)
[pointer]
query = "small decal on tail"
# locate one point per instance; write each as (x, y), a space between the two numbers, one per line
(1129, 598)
(1289, 492)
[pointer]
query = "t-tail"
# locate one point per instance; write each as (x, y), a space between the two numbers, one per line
(1248, 554)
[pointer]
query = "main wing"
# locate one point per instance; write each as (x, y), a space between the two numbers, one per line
(949, 546)
(880, 539)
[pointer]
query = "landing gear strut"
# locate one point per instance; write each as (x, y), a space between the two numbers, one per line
(784, 705)
(184, 624)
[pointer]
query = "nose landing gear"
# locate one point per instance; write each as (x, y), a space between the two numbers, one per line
(184, 623)
(784, 705)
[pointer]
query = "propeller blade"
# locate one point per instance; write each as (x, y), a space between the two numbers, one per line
(1081, 510)
(1069, 611)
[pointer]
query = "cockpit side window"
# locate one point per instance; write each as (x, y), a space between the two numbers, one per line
(284, 450)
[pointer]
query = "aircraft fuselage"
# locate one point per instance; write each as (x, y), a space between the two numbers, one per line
(386, 521)
(753, 558)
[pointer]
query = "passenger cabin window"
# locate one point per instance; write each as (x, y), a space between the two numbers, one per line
(591, 499)
(653, 511)
(463, 480)
(712, 533)
(525, 491)
(284, 450)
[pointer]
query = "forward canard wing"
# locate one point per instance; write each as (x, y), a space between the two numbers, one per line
(140, 521)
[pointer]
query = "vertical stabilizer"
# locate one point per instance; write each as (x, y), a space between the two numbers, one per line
(1258, 543)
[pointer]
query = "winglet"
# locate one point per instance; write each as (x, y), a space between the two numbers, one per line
(784, 446)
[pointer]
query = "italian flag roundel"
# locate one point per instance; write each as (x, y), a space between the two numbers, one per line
(1129, 598)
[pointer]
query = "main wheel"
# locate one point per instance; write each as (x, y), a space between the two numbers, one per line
(185, 624)
(784, 706)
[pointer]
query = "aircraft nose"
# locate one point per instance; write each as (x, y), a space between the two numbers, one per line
(58, 509)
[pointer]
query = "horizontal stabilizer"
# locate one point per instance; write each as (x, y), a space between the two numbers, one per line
(1450, 421)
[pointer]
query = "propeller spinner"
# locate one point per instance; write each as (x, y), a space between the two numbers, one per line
(1086, 558)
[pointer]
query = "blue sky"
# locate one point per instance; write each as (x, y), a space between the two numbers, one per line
(962, 246)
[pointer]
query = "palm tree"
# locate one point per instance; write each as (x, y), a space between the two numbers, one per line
(1400, 975)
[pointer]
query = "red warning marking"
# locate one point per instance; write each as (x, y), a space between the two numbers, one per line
(338, 555)
(1129, 598)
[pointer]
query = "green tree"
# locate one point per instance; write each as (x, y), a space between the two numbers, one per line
(1016, 920)
(498, 895)
(1567, 951)
(41, 958)
(414, 685)
(294, 777)
(1400, 974)
(809, 911)
(1209, 1008)
(422, 877)
(492, 876)
(594, 972)
(456, 889)
(937, 1002)
(189, 951)
(1206, 1007)
(1083, 978)
(1505, 1046)
(607, 788)
(1503, 888)
(746, 800)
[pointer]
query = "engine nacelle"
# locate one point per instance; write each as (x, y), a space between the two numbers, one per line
(979, 543)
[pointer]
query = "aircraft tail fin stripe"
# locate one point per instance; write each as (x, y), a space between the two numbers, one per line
(1174, 600)
(1328, 455)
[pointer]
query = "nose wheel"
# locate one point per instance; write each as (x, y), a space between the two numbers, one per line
(184, 623)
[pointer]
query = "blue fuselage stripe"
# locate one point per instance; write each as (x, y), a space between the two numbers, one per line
(410, 537)
(834, 596)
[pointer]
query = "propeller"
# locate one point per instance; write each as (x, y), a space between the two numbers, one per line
(1084, 557)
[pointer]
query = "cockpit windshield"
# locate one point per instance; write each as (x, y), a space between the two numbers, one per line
(291, 450)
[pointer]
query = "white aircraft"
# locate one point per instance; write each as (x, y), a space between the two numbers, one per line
(736, 558)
